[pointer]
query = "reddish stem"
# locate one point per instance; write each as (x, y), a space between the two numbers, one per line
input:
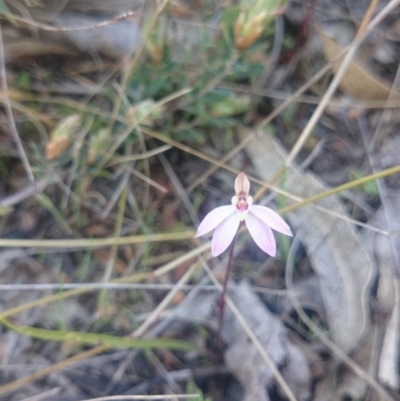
(221, 302)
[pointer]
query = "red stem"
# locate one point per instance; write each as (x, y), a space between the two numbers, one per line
(221, 302)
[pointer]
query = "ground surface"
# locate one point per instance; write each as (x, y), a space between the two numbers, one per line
(122, 126)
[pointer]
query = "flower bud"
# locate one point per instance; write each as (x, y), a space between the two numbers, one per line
(253, 19)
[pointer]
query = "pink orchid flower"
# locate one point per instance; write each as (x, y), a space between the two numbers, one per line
(259, 221)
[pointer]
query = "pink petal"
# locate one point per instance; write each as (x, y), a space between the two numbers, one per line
(242, 184)
(214, 218)
(224, 234)
(261, 234)
(271, 218)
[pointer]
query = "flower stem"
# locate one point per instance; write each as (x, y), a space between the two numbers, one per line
(221, 302)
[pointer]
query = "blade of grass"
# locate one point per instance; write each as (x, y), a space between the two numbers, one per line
(95, 338)
(146, 397)
(101, 301)
(95, 242)
(47, 203)
(341, 188)
(46, 27)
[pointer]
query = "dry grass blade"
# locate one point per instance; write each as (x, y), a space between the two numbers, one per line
(143, 397)
(114, 248)
(94, 243)
(43, 396)
(51, 369)
(46, 27)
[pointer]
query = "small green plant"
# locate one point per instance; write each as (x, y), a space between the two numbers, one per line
(191, 388)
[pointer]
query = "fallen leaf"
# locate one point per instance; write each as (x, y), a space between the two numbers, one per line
(358, 81)
(103, 255)
(244, 359)
(388, 293)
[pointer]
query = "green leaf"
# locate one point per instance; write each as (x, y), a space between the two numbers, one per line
(4, 210)
(190, 135)
(96, 339)
(4, 9)
(230, 105)
(370, 187)
(47, 203)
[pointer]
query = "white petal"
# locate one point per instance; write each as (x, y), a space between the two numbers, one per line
(261, 234)
(271, 218)
(224, 234)
(214, 218)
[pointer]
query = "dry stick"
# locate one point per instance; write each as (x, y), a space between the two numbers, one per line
(9, 113)
(279, 378)
(367, 17)
(336, 351)
(310, 99)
